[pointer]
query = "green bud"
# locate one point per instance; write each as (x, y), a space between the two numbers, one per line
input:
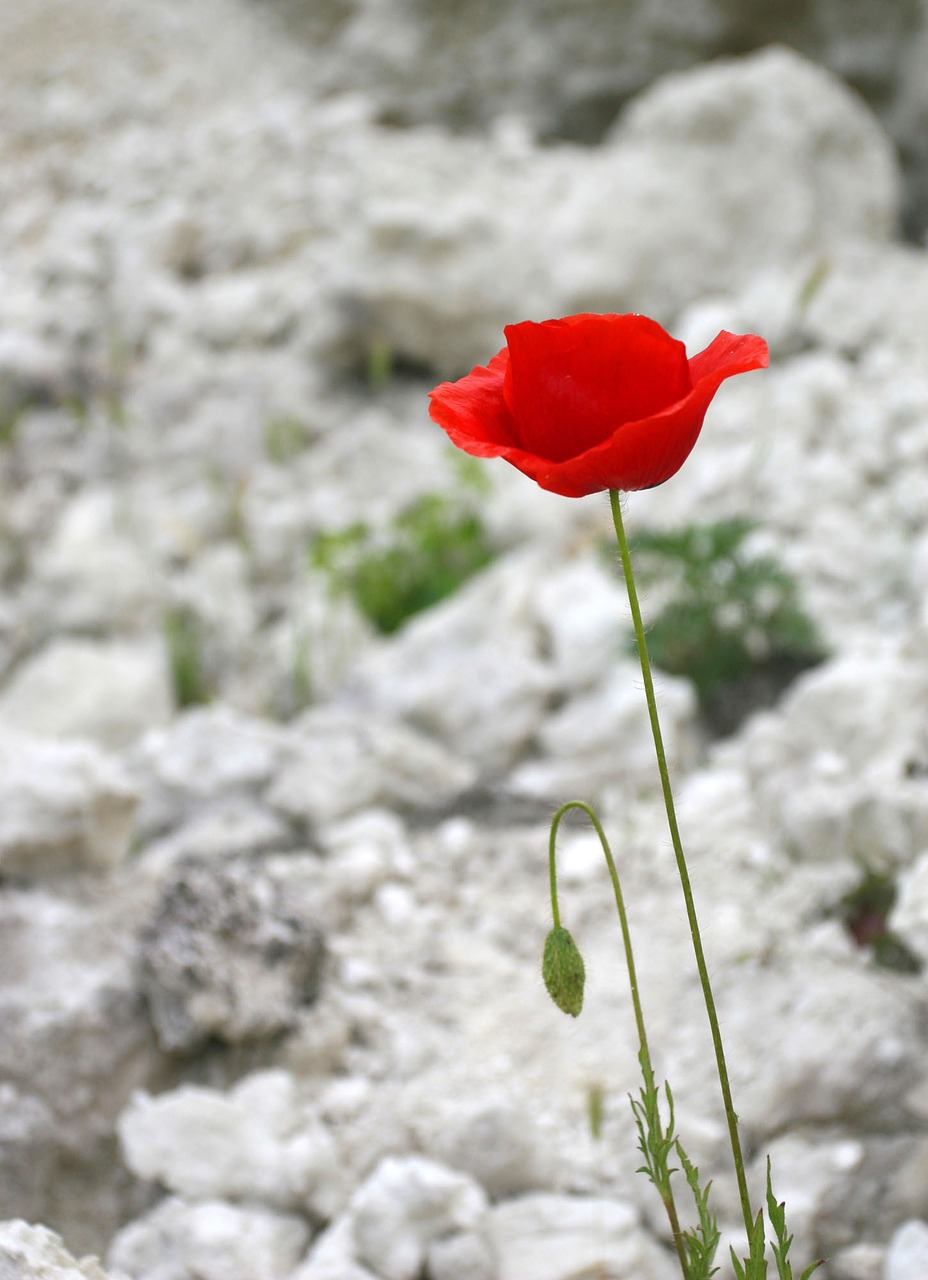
(563, 970)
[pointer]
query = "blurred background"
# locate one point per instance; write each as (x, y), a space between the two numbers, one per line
(289, 689)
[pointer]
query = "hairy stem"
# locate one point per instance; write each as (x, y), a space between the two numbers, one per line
(682, 869)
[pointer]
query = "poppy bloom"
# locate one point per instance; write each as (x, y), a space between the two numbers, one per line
(591, 402)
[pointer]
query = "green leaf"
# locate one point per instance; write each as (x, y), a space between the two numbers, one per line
(429, 549)
(755, 1264)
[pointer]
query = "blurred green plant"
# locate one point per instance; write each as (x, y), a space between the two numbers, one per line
(186, 644)
(302, 685)
(819, 272)
(284, 437)
(731, 619)
(380, 364)
(864, 911)
(429, 549)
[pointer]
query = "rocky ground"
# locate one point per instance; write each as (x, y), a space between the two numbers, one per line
(274, 884)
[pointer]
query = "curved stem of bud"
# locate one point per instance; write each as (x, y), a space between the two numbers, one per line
(644, 1055)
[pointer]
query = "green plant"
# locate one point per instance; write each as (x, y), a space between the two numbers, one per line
(284, 437)
(731, 620)
(301, 672)
(380, 363)
(186, 641)
(864, 911)
(429, 549)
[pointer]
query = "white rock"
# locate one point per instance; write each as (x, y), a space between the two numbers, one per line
(909, 917)
(343, 1269)
(726, 103)
(849, 1032)
(213, 1240)
(94, 575)
(229, 828)
(907, 1255)
(485, 709)
(77, 1037)
(260, 1142)
(35, 1253)
(859, 1262)
(710, 176)
(495, 1141)
(244, 310)
(404, 1207)
(332, 1256)
(860, 301)
(812, 1177)
(604, 735)
(110, 691)
(364, 850)
(207, 754)
(831, 771)
(344, 761)
(554, 1237)
(584, 610)
(64, 806)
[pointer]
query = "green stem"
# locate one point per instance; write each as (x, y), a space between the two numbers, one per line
(724, 1083)
(644, 1054)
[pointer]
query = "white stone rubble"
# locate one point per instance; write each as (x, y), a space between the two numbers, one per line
(270, 1002)
(64, 806)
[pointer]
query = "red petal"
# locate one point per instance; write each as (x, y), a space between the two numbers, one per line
(728, 354)
(640, 455)
(473, 411)
(572, 382)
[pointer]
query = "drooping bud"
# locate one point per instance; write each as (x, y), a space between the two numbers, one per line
(563, 971)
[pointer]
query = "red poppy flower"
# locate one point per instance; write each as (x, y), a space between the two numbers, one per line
(591, 402)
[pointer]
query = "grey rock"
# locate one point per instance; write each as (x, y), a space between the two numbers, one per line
(27, 1154)
(567, 72)
(233, 951)
(465, 1256)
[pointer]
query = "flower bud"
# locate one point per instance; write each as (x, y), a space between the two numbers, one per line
(563, 970)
